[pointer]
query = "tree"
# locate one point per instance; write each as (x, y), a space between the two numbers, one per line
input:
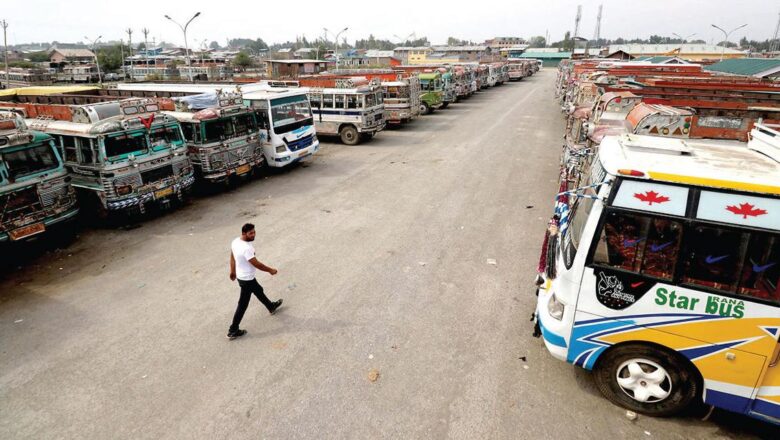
(214, 45)
(537, 41)
(243, 60)
(110, 57)
(39, 57)
(141, 47)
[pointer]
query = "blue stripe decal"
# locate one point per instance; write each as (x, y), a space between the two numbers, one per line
(766, 408)
(700, 352)
(726, 401)
(551, 337)
(653, 315)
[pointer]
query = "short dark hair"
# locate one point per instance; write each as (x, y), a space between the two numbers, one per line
(247, 227)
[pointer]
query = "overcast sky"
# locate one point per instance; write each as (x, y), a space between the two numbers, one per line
(280, 20)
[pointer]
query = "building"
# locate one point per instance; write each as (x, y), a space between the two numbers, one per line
(71, 56)
(466, 54)
(755, 67)
(549, 58)
(661, 60)
(384, 58)
(305, 53)
(412, 55)
(499, 43)
(688, 51)
(294, 68)
(153, 67)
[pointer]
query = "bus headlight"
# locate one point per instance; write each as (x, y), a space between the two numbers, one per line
(281, 148)
(555, 308)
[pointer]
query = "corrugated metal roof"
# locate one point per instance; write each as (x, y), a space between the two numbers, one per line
(77, 53)
(654, 49)
(760, 67)
(545, 55)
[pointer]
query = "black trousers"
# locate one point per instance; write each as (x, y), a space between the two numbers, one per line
(247, 289)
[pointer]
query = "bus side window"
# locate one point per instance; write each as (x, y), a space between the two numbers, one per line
(340, 101)
(327, 101)
(715, 257)
(85, 151)
(189, 131)
(352, 101)
(640, 244)
(760, 276)
(69, 148)
(316, 101)
(262, 119)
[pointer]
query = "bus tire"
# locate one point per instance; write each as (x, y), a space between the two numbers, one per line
(425, 109)
(445, 104)
(349, 135)
(647, 379)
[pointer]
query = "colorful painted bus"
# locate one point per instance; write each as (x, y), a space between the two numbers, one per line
(123, 156)
(664, 275)
(35, 190)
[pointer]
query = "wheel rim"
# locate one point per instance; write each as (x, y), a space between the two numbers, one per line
(644, 381)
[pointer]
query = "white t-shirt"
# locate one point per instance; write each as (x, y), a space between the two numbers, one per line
(243, 252)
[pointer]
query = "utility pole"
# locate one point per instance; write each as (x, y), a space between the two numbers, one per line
(130, 44)
(597, 33)
(577, 22)
(145, 31)
(4, 24)
(97, 61)
(775, 45)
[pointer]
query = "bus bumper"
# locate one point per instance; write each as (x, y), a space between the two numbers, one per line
(296, 156)
(177, 189)
(63, 217)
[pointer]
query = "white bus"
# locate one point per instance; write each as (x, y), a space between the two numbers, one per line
(665, 280)
(354, 114)
(287, 131)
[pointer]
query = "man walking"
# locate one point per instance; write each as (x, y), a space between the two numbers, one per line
(243, 265)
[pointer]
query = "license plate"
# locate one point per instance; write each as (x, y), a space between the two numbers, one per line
(163, 193)
(27, 231)
(243, 169)
(303, 154)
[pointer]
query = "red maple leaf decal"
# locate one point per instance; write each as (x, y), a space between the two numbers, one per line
(745, 210)
(651, 197)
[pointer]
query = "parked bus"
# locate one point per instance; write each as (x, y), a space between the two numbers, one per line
(282, 111)
(353, 112)
(123, 156)
(222, 135)
(431, 92)
(401, 99)
(35, 190)
(664, 276)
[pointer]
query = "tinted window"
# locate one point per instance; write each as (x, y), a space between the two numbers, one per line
(327, 101)
(714, 257)
(118, 145)
(218, 130)
(28, 161)
(191, 131)
(761, 270)
(352, 101)
(339, 101)
(161, 136)
(639, 243)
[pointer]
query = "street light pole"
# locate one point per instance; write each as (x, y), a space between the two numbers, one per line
(685, 39)
(726, 35)
(97, 61)
(337, 43)
(186, 45)
(4, 24)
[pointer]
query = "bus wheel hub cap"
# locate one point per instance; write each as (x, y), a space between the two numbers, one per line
(644, 380)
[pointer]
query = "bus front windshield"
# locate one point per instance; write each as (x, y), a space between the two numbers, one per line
(125, 143)
(290, 113)
(31, 160)
(165, 135)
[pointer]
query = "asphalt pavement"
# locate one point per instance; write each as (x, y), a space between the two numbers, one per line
(406, 267)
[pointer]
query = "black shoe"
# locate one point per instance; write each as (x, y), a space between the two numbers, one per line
(275, 306)
(236, 334)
